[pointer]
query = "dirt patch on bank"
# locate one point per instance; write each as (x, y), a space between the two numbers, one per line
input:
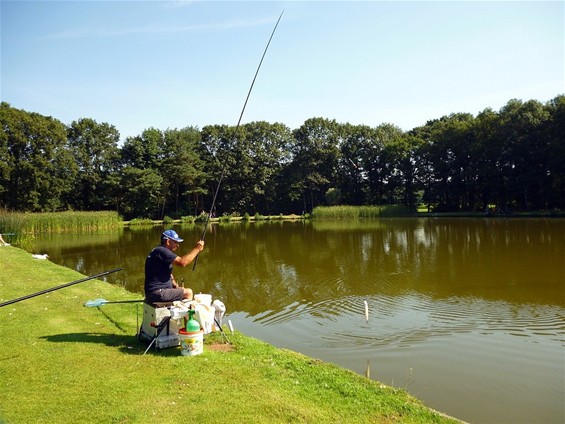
(219, 347)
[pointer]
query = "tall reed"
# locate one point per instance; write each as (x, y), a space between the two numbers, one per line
(21, 224)
(352, 212)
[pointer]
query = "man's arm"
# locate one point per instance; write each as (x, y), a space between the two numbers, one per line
(184, 260)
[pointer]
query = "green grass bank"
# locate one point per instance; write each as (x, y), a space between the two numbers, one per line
(62, 362)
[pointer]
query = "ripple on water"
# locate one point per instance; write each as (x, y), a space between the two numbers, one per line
(413, 318)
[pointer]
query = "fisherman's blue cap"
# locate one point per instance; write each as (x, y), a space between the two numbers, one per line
(172, 234)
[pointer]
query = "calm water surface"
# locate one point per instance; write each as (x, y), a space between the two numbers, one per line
(466, 314)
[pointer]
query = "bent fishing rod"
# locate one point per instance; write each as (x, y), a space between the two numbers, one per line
(29, 296)
(222, 173)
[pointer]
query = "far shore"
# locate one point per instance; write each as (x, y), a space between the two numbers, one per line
(419, 214)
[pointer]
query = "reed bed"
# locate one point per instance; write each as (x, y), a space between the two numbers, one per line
(22, 224)
(354, 212)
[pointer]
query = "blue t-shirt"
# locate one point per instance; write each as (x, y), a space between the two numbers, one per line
(158, 269)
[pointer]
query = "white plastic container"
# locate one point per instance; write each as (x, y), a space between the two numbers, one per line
(220, 310)
(205, 299)
(178, 312)
(205, 317)
(191, 344)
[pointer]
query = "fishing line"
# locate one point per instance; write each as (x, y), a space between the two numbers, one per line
(233, 138)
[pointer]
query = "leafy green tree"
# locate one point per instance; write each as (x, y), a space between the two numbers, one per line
(372, 168)
(95, 150)
(525, 155)
(249, 161)
(510, 158)
(37, 170)
(141, 193)
(143, 151)
(489, 147)
(315, 157)
(447, 159)
(390, 165)
(401, 157)
(333, 196)
(141, 157)
(175, 157)
(220, 161)
(556, 153)
(5, 159)
(182, 169)
(353, 165)
(269, 151)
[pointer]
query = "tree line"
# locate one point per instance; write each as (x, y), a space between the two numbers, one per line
(511, 159)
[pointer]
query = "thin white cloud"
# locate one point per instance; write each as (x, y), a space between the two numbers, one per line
(157, 29)
(180, 3)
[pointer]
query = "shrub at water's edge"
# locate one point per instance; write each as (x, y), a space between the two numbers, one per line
(140, 222)
(345, 211)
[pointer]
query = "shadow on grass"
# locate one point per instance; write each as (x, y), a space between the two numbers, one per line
(125, 343)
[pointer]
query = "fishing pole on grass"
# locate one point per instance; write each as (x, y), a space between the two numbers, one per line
(234, 136)
(29, 296)
(101, 302)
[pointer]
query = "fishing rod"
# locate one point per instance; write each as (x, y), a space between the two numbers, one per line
(29, 296)
(102, 302)
(233, 138)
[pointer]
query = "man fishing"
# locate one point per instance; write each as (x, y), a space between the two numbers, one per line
(160, 284)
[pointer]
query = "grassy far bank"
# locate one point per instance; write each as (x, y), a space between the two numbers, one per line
(201, 219)
(394, 211)
(18, 227)
(63, 362)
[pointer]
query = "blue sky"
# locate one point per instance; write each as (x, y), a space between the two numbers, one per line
(141, 64)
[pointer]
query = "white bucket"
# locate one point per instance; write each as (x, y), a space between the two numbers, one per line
(205, 299)
(191, 344)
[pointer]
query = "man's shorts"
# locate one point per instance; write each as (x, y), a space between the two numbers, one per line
(164, 295)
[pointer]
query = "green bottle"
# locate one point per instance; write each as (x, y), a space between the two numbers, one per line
(192, 326)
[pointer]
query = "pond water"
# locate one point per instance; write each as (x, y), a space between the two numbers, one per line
(468, 315)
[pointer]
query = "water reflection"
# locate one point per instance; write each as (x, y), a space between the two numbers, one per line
(464, 311)
(284, 262)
